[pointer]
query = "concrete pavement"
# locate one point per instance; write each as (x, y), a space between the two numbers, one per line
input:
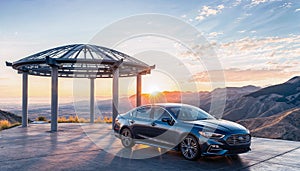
(93, 147)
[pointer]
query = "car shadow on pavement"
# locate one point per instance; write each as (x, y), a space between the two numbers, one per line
(151, 158)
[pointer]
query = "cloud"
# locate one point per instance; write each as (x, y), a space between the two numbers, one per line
(242, 17)
(220, 7)
(270, 53)
(239, 75)
(286, 5)
(264, 44)
(257, 2)
(236, 3)
(207, 11)
(297, 10)
(199, 17)
(256, 53)
(215, 34)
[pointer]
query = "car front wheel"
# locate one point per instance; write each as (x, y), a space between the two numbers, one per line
(126, 138)
(190, 149)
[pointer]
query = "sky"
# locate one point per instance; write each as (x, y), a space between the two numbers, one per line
(257, 42)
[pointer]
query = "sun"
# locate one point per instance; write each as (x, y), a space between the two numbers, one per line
(159, 81)
(155, 83)
(151, 89)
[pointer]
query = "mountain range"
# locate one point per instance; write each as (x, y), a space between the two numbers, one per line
(271, 112)
(265, 102)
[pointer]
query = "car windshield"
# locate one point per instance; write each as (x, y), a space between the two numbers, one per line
(189, 113)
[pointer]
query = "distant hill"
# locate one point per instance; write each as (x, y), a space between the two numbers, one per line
(285, 125)
(232, 94)
(201, 99)
(260, 109)
(265, 102)
(12, 118)
(271, 112)
(289, 88)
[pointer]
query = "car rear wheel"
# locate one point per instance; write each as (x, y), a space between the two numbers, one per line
(189, 147)
(126, 138)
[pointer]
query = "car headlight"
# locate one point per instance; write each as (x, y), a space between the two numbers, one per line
(211, 135)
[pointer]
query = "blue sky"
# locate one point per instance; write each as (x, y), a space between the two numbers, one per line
(257, 41)
(36, 19)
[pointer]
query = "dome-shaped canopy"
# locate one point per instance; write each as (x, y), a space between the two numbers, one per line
(81, 61)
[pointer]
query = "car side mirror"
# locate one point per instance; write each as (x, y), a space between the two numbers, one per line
(168, 120)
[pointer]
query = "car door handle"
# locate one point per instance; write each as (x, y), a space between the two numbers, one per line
(131, 121)
(153, 124)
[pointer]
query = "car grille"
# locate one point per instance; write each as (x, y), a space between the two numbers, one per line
(238, 139)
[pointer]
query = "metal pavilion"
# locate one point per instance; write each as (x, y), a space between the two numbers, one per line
(79, 61)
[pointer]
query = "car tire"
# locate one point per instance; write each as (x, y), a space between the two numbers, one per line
(127, 138)
(190, 148)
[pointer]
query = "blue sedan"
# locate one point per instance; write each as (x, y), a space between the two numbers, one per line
(185, 128)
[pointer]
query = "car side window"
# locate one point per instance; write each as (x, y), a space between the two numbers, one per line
(142, 113)
(159, 113)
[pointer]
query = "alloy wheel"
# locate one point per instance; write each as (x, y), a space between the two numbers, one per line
(190, 148)
(126, 138)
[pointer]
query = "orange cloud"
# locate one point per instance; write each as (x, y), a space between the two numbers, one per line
(238, 75)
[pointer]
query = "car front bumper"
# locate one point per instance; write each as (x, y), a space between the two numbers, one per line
(219, 148)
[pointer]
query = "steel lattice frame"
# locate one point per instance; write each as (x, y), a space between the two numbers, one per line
(81, 61)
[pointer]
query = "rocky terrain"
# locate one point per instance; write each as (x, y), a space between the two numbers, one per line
(265, 102)
(12, 118)
(271, 112)
(285, 125)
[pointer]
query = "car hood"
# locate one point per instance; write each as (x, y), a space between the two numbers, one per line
(220, 124)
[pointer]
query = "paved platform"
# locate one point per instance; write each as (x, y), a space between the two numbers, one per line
(93, 147)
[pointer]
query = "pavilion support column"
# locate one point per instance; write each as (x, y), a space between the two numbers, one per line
(138, 90)
(54, 98)
(115, 93)
(25, 100)
(92, 100)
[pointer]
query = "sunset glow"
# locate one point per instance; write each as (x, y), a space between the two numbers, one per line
(159, 81)
(151, 89)
(265, 32)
